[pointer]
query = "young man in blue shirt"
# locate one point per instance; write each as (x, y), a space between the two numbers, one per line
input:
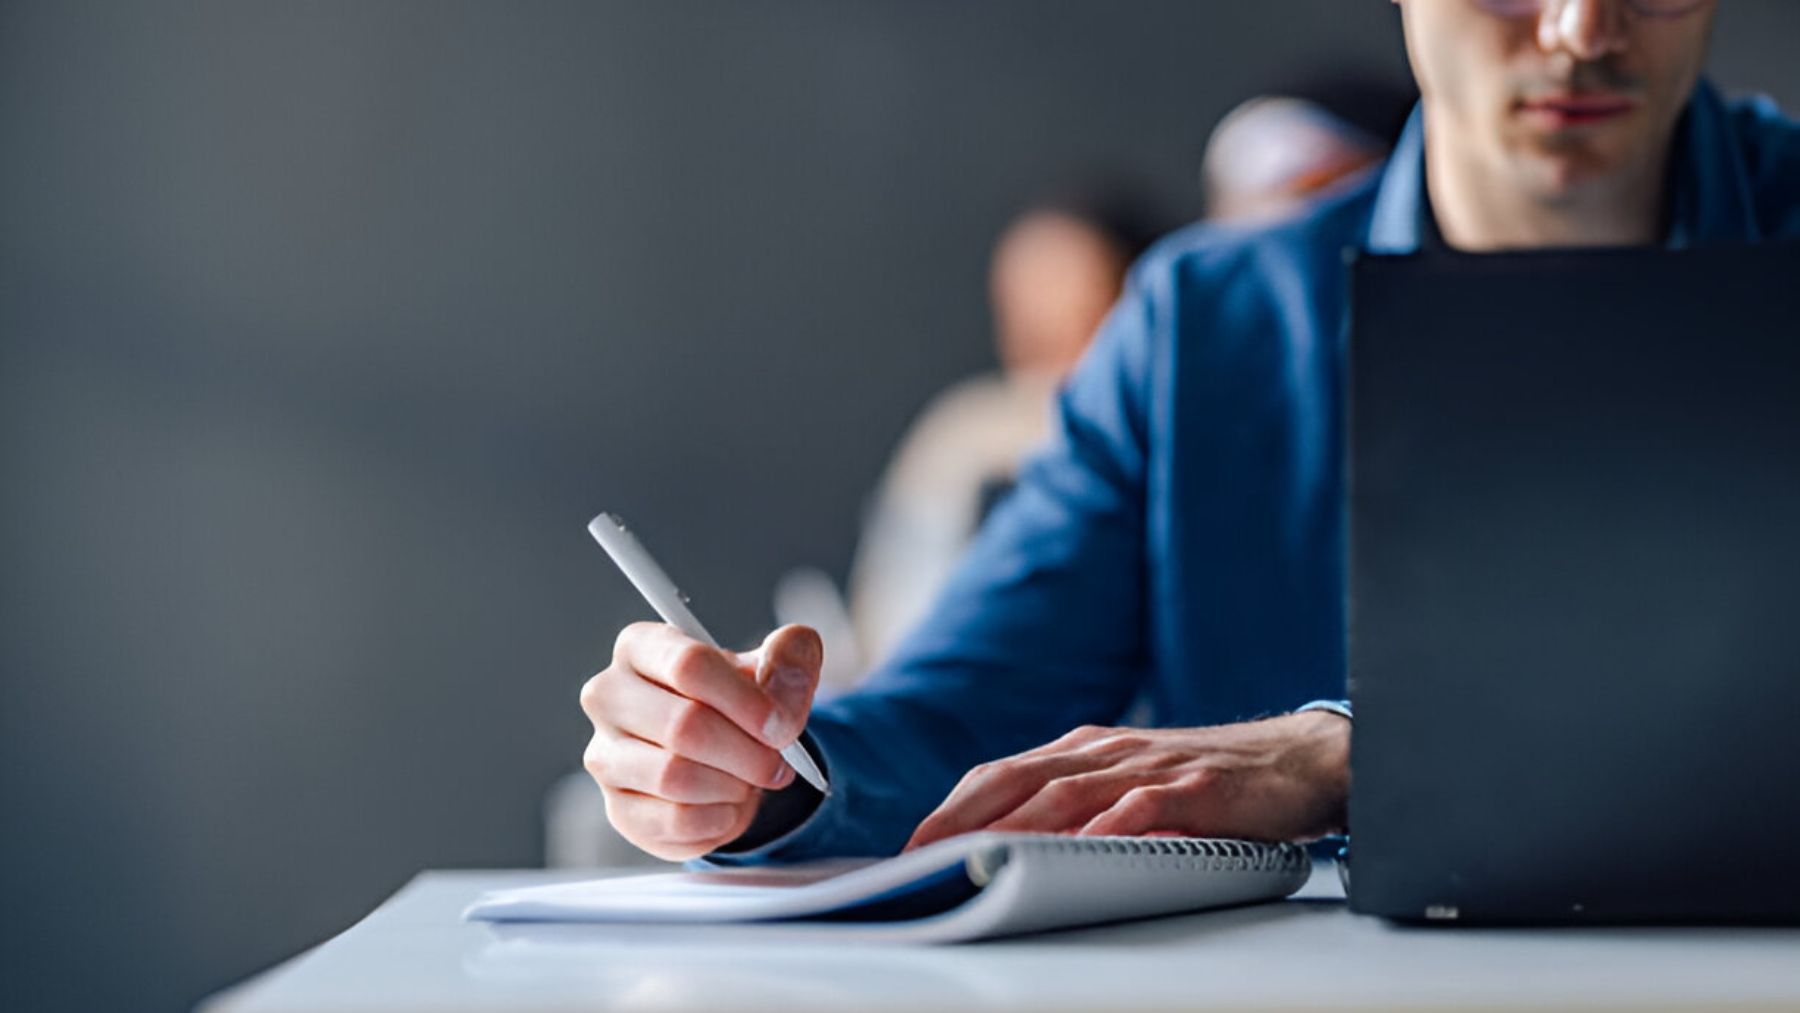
(1177, 548)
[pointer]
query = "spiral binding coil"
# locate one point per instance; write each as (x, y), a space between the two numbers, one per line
(1245, 856)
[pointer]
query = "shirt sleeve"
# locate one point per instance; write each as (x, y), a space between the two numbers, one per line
(1040, 629)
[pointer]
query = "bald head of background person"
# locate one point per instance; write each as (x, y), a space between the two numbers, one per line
(1272, 155)
(1547, 123)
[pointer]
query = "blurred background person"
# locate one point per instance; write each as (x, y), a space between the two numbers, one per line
(1055, 271)
(1274, 153)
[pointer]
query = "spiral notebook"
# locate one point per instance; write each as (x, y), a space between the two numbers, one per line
(970, 887)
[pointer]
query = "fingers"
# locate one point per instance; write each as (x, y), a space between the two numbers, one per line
(1139, 811)
(1065, 803)
(787, 668)
(685, 729)
(676, 831)
(621, 762)
(993, 790)
(1088, 737)
(1197, 804)
(684, 734)
(686, 667)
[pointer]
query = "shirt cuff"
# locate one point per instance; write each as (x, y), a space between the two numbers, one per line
(787, 821)
(1339, 707)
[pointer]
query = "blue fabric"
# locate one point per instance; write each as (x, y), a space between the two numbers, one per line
(1177, 549)
(1338, 707)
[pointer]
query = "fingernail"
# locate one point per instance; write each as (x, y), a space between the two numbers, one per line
(784, 776)
(778, 731)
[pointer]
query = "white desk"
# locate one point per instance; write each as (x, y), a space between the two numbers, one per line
(414, 953)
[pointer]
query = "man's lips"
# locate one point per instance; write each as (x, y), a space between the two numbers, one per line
(1574, 110)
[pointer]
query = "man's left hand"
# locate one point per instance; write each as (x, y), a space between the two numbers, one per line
(1280, 779)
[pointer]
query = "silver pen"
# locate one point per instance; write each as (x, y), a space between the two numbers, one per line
(656, 587)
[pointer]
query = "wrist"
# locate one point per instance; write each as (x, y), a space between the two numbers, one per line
(1322, 748)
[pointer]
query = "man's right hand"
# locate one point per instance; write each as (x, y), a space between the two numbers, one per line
(686, 736)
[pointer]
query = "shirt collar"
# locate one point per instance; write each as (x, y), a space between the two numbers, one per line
(1709, 185)
(1394, 224)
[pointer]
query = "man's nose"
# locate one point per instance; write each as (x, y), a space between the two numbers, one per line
(1585, 29)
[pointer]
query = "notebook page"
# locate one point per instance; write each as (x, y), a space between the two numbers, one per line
(812, 889)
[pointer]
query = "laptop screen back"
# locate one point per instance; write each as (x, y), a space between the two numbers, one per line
(1575, 585)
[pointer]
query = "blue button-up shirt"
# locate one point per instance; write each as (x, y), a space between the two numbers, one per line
(1177, 550)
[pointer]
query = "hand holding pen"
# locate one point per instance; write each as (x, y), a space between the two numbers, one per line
(687, 735)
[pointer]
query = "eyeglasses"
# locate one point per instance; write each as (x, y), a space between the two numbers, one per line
(1648, 8)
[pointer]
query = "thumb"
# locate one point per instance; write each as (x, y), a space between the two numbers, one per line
(787, 669)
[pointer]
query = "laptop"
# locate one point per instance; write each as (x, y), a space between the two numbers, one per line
(1575, 586)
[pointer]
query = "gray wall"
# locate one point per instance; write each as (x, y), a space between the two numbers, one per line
(324, 327)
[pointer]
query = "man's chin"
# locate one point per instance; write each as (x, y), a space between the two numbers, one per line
(1566, 172)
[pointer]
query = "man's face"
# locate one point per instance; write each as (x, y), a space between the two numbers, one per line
(1556, 95)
